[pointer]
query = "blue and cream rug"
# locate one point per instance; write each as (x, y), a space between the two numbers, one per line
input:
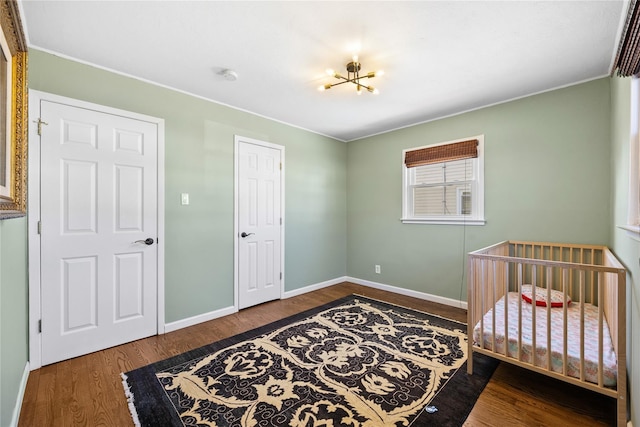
(352, 362)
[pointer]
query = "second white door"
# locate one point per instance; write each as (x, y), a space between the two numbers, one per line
(259, 221)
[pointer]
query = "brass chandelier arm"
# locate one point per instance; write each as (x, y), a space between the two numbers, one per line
(341, 83)
(355, 80)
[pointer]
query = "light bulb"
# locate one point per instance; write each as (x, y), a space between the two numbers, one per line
(376, 91)
(355, 58)
(330, 71)
(379, 73)
(321, 88)
(359, 90)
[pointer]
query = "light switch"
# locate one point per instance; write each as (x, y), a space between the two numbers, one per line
(184, 198)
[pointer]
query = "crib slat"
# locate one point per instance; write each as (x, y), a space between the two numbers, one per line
(571, 272)
(565, 346)
(581, 261)
(582, 298)
(593, 283)
(482, 299)
(549, 284)
(492, 271)
(506, 310)
(600, 328)
(620, 340)
(519, 311)
(533, 315)
(471, 310)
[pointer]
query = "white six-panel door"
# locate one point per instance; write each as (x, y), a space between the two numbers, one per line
(259, 218)
(98, 205)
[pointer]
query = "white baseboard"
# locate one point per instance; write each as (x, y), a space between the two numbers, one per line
(23, 386)
(194, 320)
(315, 287)
(179, 324)
(205, 317)
(408, 292)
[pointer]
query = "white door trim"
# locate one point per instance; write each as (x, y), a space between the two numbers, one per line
(236, 232)
(35, 97)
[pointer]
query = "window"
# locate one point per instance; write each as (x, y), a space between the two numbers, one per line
(443, 183)
(633, 217)
(634, 184)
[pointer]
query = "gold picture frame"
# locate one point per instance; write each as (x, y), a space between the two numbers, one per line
(13, 99)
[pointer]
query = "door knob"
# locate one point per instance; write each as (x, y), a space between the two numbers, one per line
(243, 235)
(147, 241)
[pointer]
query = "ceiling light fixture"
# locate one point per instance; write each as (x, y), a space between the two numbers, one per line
(353, 76)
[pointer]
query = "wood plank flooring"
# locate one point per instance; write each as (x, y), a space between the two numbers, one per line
(87, 391)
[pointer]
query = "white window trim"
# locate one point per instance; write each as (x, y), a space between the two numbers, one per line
(632, 227)
(479, 219)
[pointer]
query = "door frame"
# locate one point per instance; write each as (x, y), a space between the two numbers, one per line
(33, 212)
(236, 232)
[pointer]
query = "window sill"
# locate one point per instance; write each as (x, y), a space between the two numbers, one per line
(633, 231)
(443, 221)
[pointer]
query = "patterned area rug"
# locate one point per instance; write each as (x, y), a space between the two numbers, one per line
(353, 362)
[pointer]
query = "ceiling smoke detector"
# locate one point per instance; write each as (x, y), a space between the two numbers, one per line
(229, 75)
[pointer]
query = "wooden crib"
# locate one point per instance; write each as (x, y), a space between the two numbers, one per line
(578, 289)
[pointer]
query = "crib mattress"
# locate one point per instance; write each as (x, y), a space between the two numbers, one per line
(557, 345)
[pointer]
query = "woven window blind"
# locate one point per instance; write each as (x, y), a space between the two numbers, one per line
(628, 57)
(442, 153)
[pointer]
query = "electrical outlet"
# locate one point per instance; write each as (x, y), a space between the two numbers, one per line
(377, 269)
(184, 198)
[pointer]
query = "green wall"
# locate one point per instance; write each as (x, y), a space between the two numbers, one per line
(626, 248)
(547, 178)
(199, 145)
(14, 342)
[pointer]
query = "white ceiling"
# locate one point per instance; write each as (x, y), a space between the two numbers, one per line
(440, 57)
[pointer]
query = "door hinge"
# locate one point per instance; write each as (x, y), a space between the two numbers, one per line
(280, 165)
(40, 123)
(39, 227)
(40, 326)
(281, 275)
(280, 221)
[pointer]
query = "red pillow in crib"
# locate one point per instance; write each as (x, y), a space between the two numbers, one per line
(541, 296)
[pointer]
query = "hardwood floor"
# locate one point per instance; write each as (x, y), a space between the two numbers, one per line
(87, 391)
